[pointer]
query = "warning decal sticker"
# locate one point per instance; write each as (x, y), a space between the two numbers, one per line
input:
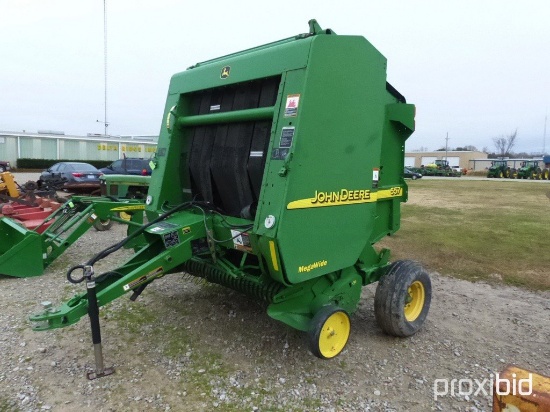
(375, 177)
(286, 137)
(241, 240)
(291, 107)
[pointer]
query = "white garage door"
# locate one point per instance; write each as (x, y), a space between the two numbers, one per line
(454, 161)
(409, 161)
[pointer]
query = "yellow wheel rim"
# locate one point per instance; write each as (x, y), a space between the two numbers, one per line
(334, 334)
(125, 216)
(415, 301)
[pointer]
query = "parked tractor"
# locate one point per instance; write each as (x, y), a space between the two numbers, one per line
(500, 169)
(119, 187)
(440, 167)
(442, 164)
(546, 161)
(278, 170)
(545, 173)
(124, 186)
(529, 169)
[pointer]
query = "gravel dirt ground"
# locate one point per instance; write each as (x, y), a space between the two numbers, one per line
(189, 346)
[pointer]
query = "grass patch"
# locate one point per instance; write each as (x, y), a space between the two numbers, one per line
(478, 230)
(210, 379)
(7, 406)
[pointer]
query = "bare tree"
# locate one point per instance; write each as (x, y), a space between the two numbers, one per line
(467, 148)
(504, 144)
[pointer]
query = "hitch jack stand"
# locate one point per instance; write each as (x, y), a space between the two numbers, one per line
(93, 313)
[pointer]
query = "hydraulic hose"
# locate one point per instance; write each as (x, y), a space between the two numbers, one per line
(113, 248)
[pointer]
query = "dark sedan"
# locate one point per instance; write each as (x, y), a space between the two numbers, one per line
(73, 176)
(411, 174)
(128, 166)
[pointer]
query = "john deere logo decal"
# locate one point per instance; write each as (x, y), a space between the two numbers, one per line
(225, 72)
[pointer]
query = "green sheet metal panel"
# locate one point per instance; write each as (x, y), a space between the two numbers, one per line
(336, 149)
(331, 115)
(261, 62)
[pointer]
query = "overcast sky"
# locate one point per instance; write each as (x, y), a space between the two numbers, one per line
(475, 69)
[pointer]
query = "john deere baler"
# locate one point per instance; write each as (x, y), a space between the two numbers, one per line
(277, 170)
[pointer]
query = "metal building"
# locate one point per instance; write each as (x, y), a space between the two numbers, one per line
(460, 159)
(57, 145)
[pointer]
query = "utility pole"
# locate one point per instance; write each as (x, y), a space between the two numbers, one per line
(105, 122)
(544, 135)
(105, 58)
(446, 145)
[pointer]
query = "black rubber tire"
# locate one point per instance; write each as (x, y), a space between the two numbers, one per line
(102, 225)
(316, 329)
(2, 169)
(391, 295)
(30, 185)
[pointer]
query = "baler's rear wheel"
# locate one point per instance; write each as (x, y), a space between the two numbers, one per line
(329, 332)
(403, 298)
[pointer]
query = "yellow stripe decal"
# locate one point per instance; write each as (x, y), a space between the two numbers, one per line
(129, 207)
(345, 197)
(273, 255)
